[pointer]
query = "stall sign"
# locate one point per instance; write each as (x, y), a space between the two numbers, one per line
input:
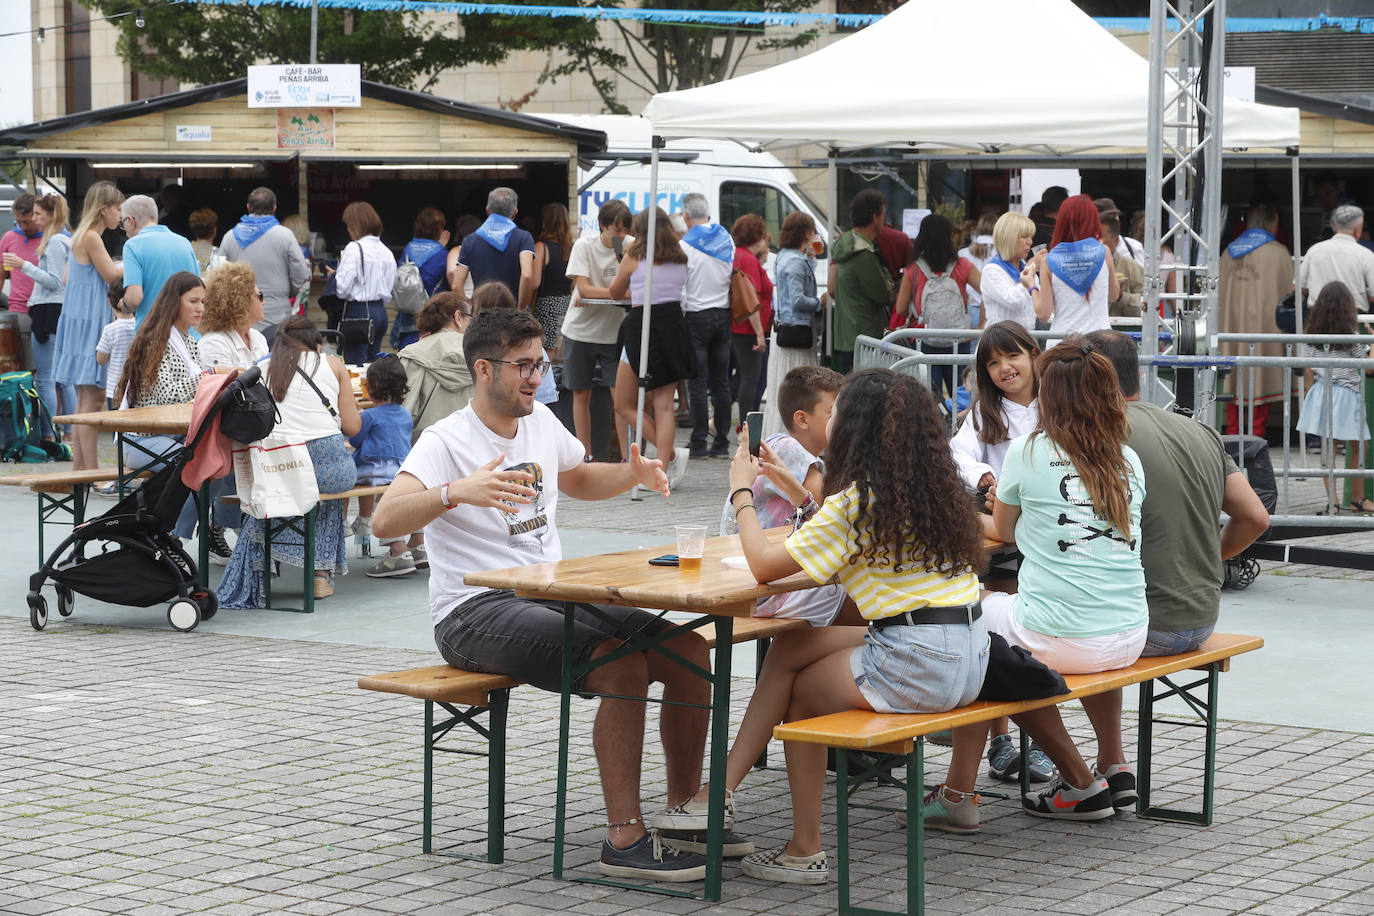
(193, 133)
(305, 128)
(294, 85)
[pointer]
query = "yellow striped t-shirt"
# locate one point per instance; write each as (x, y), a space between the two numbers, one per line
(824, 545)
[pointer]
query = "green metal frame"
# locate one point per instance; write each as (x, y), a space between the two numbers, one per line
(1206, 710)
(719, 678)
(915, 830)
(50, 504)
(494, 732)
(275, 526)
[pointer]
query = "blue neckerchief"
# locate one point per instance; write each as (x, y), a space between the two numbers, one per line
(712, 240)
(36, 235)
(1248, 241)
(1077, 263)
(251, 228)
(418, 251)
(1013, 272)
(496, 231)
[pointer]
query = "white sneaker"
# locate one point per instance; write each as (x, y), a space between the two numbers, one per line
(677, 468)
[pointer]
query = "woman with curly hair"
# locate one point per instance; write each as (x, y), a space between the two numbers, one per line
(233, 304)
(1069, 496)
(907, 555)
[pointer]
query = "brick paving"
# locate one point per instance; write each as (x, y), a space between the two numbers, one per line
(151, 772)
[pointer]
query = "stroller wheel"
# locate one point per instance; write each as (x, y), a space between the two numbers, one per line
(183, 615)
(208, 603)
(38, 611)
(66, 601)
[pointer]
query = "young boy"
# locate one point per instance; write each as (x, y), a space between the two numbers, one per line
(793, 475)
(115, 339)
(590, 357)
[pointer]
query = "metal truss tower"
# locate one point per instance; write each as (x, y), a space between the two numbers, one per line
(1184, 151)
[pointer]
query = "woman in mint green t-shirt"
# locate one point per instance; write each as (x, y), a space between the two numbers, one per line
(1069, 496)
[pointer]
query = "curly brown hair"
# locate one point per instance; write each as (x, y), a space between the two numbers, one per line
(887, 440)
(228, 297)
(1083, 413)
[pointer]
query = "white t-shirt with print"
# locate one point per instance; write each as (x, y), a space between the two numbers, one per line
(470, 539)
(599, 324)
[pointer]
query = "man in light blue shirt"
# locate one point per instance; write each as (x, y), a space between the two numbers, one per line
(151, 255)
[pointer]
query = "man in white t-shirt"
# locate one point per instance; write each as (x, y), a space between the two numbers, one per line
(1341, 257)
(706, 303)
(590, 356)
(483, 483)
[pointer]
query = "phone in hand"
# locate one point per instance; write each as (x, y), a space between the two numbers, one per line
(668, 559)
(753, 422)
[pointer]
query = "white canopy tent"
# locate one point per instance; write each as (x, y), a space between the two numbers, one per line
(1051, 81)
(986, 75)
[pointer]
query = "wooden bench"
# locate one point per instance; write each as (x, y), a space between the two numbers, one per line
(305, 527)
(61, 491)
(905, 735)
(454, 688)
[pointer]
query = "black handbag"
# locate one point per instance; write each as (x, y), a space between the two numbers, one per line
(795, 336)
(250, 415)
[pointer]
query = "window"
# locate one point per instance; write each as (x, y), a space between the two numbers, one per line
(740, 197)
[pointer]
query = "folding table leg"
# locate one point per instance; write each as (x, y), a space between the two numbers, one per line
(564, 723)
(1206, 710)
(309, 559)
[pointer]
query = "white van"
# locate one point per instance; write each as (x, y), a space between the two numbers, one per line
(735, 180)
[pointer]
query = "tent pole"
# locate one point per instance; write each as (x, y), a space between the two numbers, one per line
(655, 144)
(832, 175)
(314, 31)
(1297, 238)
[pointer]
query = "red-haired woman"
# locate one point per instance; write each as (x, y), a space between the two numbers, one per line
(749, 338)
(1077, 274)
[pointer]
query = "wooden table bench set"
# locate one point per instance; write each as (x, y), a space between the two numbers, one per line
(723, 598)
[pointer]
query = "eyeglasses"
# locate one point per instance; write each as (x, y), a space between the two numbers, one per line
(526, 367)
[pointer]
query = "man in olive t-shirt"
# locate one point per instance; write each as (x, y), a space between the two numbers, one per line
(1190, 481)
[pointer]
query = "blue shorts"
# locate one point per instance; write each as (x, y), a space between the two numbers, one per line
(925, 668)
(1164, 642)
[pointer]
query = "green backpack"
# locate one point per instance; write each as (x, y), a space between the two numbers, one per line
(23, 417)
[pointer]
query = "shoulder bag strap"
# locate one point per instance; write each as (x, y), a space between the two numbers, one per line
(323, 400)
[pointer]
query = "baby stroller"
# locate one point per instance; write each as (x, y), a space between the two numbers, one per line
(140, 562)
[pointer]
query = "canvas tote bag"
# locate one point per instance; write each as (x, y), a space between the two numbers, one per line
(275, 478)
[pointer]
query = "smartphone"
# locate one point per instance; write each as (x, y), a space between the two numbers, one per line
(668, 559)
(753, 421)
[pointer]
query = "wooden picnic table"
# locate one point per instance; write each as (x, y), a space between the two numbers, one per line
(718, 592)
(167, 420)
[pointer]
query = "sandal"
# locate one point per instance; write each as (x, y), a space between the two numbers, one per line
(1363, 507)
(1334, 510)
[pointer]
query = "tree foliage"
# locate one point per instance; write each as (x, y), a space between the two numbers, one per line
(661, 58)
(211, 44)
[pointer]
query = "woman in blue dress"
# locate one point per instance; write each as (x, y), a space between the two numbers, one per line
(85, 312)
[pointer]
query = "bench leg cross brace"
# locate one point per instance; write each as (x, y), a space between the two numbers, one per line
(720, 734)
(304, 525)
(915, 834)
(1206, 710)
(49, 505)
(495, 734)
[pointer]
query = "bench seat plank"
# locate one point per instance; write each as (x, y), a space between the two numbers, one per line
(865, 730)
(63, 479)
(376, 490)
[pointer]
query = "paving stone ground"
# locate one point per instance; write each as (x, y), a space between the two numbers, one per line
(151, 772)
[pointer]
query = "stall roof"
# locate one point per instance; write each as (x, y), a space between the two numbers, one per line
(588, 141)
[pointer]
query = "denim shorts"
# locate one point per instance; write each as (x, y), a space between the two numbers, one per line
(497, 633)
(925, 668)
(1163, 642)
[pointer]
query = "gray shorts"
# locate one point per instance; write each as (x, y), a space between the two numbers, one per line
(497, 633)
(589, 365)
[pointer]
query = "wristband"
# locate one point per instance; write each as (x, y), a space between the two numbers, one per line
(740, 509)
(443, 498)
(733, 494)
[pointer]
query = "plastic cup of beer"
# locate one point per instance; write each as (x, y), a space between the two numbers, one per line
(691, 544)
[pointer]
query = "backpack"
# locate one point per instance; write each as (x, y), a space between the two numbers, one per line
(23, 417)
(408, 290)
(942, 303)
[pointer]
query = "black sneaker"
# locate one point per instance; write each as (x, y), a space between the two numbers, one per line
(1121, 781)
(719, 451)
(219, 547)
(732, 847)
(700, 451)
(1062, 801)
(653, 859)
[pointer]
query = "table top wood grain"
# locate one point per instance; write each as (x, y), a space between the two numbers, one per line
(626, 578)
(168, 419)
